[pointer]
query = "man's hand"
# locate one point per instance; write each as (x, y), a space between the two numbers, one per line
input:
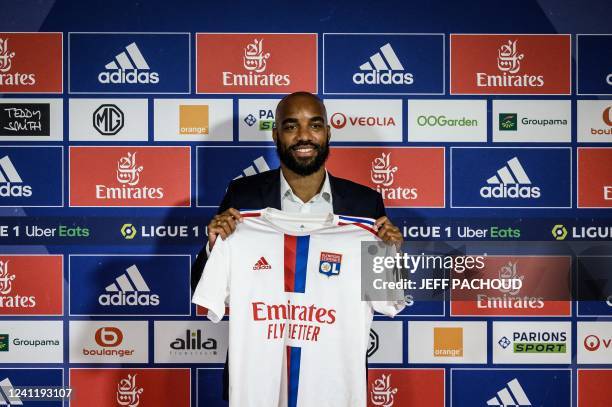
(223, 225)
(388, 232)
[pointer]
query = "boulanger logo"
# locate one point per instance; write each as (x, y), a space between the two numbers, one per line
(383, 174)
(108, 336)
(511, 181)
(128, 392)
(11, 184)
(193, 120)
(128, 67)
(255, 63)
(559, 232)
(108, 119)
(383, 68)
(511, 395)
(129, 289)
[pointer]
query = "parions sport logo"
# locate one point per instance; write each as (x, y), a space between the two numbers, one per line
(130, 176)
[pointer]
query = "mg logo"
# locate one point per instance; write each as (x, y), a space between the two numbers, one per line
(108, 120)
(109, 336)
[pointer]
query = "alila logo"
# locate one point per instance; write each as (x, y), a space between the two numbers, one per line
(6, 286)
(129, 289)
(383, 68)
(512, 395)
(509, 61)
(6, 63)
(128, 67)
(382, 175)
(512, 182)
(11, 184)
(339, 120)
(194, 341)
(255, 62)
(128, 176)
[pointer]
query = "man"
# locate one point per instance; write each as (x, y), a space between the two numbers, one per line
(301, 184)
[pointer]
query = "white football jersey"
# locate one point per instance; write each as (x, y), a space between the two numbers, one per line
(299, 329)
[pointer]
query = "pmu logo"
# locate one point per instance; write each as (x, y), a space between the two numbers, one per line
(11, 184)
(383, 174)
(383, 68)
(255, 63)
(129, 289)
(129, 66)
(511, 181)
(108, 120)
(339, 120)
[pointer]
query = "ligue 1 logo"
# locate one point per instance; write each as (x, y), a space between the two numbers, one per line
(330, 264)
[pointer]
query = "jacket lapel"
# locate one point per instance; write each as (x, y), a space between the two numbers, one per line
(270, 190)
(339, 200)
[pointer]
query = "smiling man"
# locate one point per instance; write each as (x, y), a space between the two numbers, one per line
(301, 184)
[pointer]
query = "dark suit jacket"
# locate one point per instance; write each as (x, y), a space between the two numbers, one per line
(263, 190)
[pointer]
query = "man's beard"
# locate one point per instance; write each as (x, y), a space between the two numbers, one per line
(299, 167)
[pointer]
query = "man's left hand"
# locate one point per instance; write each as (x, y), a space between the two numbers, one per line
(388, 232)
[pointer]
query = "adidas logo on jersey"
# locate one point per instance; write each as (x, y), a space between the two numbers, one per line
(511, 181)
(7, 392)
(260, 166)
(128, 66)
(511, 395)
(262, 264)
(11, 184)
(132, 291)
(384, 68)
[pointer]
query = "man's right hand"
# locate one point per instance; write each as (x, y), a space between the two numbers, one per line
(223, 225)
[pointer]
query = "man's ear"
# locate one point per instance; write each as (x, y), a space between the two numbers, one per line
(328, 132)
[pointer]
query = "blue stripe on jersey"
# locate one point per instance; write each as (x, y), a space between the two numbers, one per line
(301, 261)
(293, 379)
(358, 220)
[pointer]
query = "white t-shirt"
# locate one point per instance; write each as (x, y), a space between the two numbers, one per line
(298, 329)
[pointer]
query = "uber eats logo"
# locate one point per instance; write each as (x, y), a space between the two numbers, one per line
(508, 121)
(535, 342)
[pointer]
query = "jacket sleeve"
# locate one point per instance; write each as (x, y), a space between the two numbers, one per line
(380, 207)
(198, 265)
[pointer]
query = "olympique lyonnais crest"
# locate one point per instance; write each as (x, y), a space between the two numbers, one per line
(330, 264)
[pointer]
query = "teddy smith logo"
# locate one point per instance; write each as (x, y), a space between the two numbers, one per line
(291, 321)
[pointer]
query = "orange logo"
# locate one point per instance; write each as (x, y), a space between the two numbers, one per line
(193, 119)
(448, 342)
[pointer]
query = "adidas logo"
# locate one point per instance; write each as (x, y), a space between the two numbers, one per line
(262, 264)
(260, 166)
(511, 395)
(384, 68)
(511, 181)
(8, 177)
(132, 291)
(6, 391)
(128, 66)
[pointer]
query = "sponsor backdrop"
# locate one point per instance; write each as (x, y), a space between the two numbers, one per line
(122, 122)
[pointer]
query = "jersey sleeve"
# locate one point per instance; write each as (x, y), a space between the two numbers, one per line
(212, 291)
(388, 302)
